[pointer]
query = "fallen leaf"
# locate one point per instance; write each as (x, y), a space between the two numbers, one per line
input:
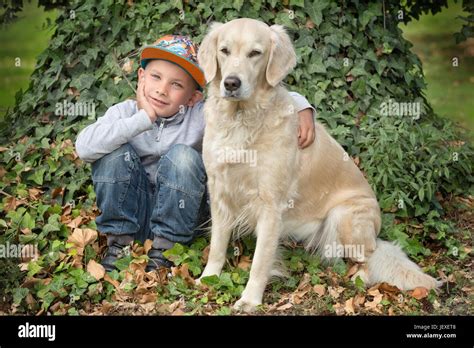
(147, 246)
(244, 262)
(127, 67)
(389, 288)
(82, 237)
(419, 293)
(34, 193)
(349, 306)
(205, 254)
(374, 303)
(353, 270)
(319, 289)
(76, 222)
(339, 308)
(335, 292)
(285, 307)
(96, 269)
(183, 272)
(115, 283)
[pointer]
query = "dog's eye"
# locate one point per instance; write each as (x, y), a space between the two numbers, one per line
(254, 53)
(225, 51)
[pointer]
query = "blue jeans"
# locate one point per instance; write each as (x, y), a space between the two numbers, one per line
(173, 206)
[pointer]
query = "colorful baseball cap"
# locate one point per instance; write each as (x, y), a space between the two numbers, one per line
(176, 49)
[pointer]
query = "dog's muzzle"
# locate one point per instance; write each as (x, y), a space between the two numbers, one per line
(232, 83)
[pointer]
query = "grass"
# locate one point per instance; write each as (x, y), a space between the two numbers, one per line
(449, 88)
(25, 39)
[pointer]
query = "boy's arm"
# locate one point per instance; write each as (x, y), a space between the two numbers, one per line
(306, 113)
(111, 131)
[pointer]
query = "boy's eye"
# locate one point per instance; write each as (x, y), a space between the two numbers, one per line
(254, 53)
(225, 51)
(177, 84)
(155, 76)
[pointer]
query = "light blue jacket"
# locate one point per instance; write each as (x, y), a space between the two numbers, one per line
(124, 123)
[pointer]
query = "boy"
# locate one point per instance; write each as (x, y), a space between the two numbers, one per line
(147, 169)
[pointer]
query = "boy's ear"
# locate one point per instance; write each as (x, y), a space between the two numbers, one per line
(141, 73)
(196, 97)
(207, 54)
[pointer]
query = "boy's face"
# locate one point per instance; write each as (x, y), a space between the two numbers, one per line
(167, 86)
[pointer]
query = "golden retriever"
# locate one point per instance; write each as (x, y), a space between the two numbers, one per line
(316, 195)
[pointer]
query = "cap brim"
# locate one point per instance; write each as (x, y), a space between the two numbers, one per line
(157, 53)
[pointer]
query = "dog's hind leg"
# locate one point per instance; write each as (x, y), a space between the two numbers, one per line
(268, 232)
(351, 231)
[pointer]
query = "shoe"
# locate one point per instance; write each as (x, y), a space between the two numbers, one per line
(117, 249)
(156, 260)
(155, 254)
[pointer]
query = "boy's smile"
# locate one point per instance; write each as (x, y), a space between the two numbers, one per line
(167, 87)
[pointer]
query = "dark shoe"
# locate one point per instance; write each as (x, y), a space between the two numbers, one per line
(117, 248)
(155, 254)
(157, 260)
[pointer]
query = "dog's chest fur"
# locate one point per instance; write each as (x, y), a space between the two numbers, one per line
(241, 150)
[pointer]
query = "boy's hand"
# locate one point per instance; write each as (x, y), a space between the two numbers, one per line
(306, 133)
(142, 102)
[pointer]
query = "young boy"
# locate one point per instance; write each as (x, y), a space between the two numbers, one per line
(147, 169)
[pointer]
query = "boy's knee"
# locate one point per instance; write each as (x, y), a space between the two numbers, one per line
(185, 157)
(115, 166)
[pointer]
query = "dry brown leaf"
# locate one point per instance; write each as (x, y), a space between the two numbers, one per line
(349, 306)
(309, 24)
(359, 300)
(12, 203)
(284, 307)
(183, 272)
(419, 293)
(25, 230)
(34, 193)
(339, 308)
(96, 269)
(205, 254)
(57, 191)
(244, 262)
(389, 288)
(148, 298)
(319, 289)
(353, 270)
(178, 311)
(114, 282)
(335, 292)
(147, 246)
(374, 291)
(82, 237)
(374, 303)
(127, 67)
(76, 222)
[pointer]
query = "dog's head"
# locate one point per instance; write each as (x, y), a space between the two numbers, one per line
(245, 53)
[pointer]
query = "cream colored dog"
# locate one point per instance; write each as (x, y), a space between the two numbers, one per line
(316, 195)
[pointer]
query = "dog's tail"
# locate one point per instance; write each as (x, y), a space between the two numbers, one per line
(390, 264)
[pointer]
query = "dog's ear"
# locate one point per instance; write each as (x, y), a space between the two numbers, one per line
(207, 54)
(282, 57)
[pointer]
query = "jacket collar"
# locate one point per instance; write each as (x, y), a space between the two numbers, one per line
(177, 118)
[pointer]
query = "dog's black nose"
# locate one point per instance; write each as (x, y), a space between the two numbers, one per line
(232, 83)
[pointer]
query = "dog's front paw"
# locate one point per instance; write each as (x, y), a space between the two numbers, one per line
(247, 306)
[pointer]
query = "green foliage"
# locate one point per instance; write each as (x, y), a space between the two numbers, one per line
(351, 59)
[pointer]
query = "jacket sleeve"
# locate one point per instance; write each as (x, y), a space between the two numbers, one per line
(111, 131)
(301, 102)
